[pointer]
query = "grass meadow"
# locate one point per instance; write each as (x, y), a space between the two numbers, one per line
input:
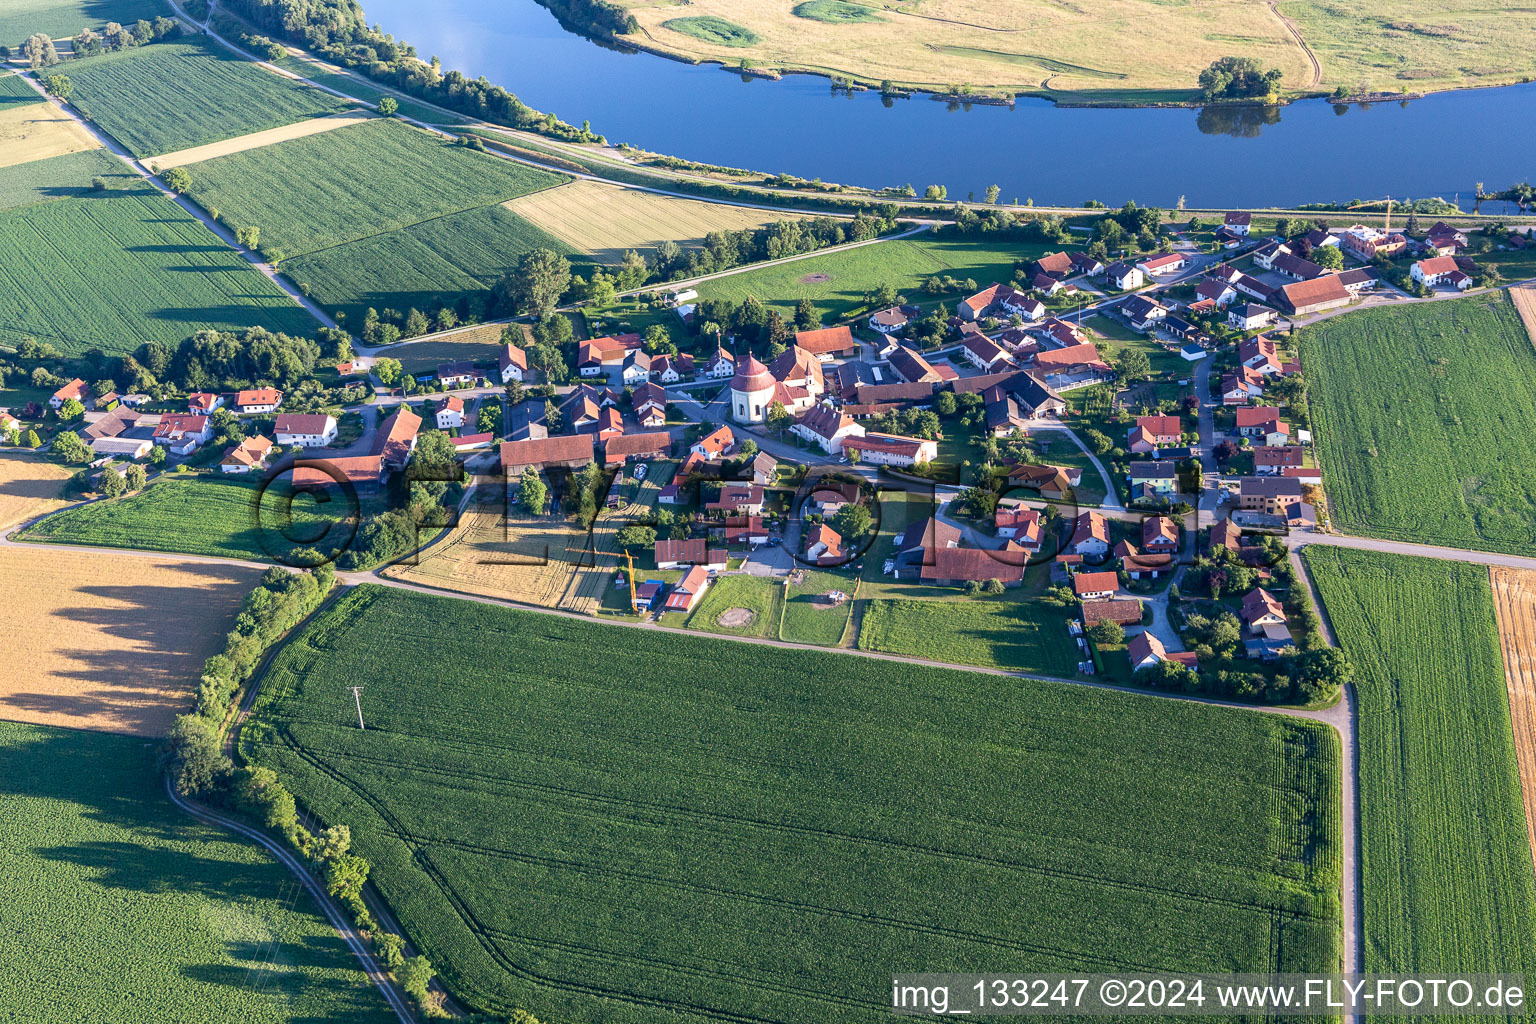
(1421, 415)
(62, 18)
(367, 179)
(1446, 862)
(59, 177)
(113, 270)
(131, 911)
(1016, 631)
(731, 596)
(568, 836)
(809, 620)
(176, 95)
(716, 31)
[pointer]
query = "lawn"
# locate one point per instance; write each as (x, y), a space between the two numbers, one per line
(64, 18)
(206, 515)
(121, 907)
(1421, 414)
(710, 29)
(424, 266)
(112, 270)
(1017, 631)
(59, 177)
(835, 11)
(176, 95)
(734, 832)
(837, 282)
(1447, 867)
(740, 606)
(370, 178)
(808, 617)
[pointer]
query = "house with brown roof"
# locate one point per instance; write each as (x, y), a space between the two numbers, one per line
(824, 545)
(889, 321)
(1272, 461)
(1073, 359)
(460, 373)
(364, 472)
(827, 426)
(1262, 423)
(1313, 296)
(1238, 388)
(891, 449)
(715, 444)
(1143, 313)
(1260, 609)
(1261, 354)
(1053, 482)
(258, 400)
(927, 534)
(568, 451)
(1090, 535)
(745, 530)
(738, 499)
(955, 567)
(450, 413)
(181, 433)
(1142, 565)
(1160, 534)
(1020, 525)
(983, 353)
(76, 389)
(1153, 432)
(1095, 586)
(512, 362)
(594, 356)
(308, 430)
(1124, 611)
(911, 367)
(250, 454)
(686, 592)
(203, 403)
(1146, 651)
(696, 551)
(1237, 222)
(396, 439)
(650, 405)
(1439, 270)
(623, 447)
(828, 342)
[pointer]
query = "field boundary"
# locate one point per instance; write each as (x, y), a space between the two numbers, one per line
(1514, 602)
(257, 140)
(1523, 295)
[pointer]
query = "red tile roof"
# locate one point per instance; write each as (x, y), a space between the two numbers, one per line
(826, 341)
(543, 451)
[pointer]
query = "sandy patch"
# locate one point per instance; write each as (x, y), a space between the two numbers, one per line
(29, 486)
(816, 279)
(38, 131)
(255, 140)
(1514, 598)
(603, 220)
(110, 642)
(735, 618)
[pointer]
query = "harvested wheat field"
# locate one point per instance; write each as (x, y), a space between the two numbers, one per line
(604, 220)
(1524, 298)
(540, 562)
(110, 642)
(256, 140)
(38, 131)
(1514, 599)
(29, 486)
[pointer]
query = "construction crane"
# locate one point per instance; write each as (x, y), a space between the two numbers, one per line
(1373, 202)
(631, 560)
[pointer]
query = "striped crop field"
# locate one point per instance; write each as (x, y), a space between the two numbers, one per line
(113, 270)
(176, 95)
(367, 179)
(1446, 868)
(593, 822)
(1421, 414)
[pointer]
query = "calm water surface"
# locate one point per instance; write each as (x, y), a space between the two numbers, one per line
(1440, 145)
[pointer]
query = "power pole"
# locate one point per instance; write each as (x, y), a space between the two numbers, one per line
(357, 698)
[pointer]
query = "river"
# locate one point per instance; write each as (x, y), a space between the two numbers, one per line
(1311, 151)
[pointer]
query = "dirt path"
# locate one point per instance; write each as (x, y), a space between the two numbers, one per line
(1514, 601)
(256, 140)
(1290, 26)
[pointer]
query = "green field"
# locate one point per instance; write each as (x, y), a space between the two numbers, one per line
(1421, 417)
(710, 29)
(835, 11)
(903, 263)
(741, 833)
(352, 85)
(1020, 633)
(810, 621)
(172, 96)
(423, 266)
(120, 907)
(20, 18)
(60, 177)
(15, 92)
(1446, 864)
(366, 179)
(114, 270)
(209, 515)
(762, 597)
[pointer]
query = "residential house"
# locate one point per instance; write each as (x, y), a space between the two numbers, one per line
(1027, 307)
(1250, 316)
(1090, 535)
(1142, 313)
(670, 369)
(1153, 432)
(1123, 276)
(76, 389)
(982, 353)
(182, 433)
(889, 321)
(625, 447)
(1160, 534)
(1263, 424)
(1264, 255)
(911, 367)
(1095, 586)
(1274, 461)
(1082, 263)
(891, 449)
(248, 456)
(609, 424)
(765, 468)
(1020, 525)
(204, 403)
(1161, 476)
(1219, 293)
(450, 413)
(1139, 565)
(745, 530)
(1294, 267)
(636, 367)
(828, 342)
(595, 355)
(824, 545)
(1367, 242)
(257, 401)
(1240, 387)
(1162, 266)
(738, 499)
(670, 554)
(1060, 333)
(1270, 495)
(1054, 483)
(308, 430)
(566, 451)
(1237, 222)
(649, 402)
(1360, 279)
(1227, 238)
(686, 592)
(1076, 359)
(1443, 234)
(1146, 651)
(1317, 238)
(1261, 354)
(720, 365)
(513, 363)
(457, 374)
(1439, 270)
(927, 534)
(1261, 608)
(714, 445)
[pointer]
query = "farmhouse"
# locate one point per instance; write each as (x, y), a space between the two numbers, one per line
(954, 567)
(1123, 276)
(982, 353)
(396, 439)
(308, 430)
(569, 451)
(1019, 524)
(247, 456)
(912, 367)
(458, 374)
(1305, 297)
(182, 433)
(891, 449)
(636, 367)
(619, 449)
(1053, 482)
(1440, 270)
(77, 389)
(257, 401)
(512, 361)
(686, 592)
(595, 354)
(1360, 279)
(672, 553)
(1294, 267)
(1090, 535)
(721, 365)
(1250, 316)
(365, 472)
(1125, 611)
(1095, 586)
(1003, 413)
(1075, 359)
(1162, 266)
(828, 342)
(928, 534)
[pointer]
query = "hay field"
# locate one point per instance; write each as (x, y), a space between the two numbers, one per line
(1524, 298)
(110, 642)
(1514, 602)
(603, 220)
(255, 140)
(37, 131)
(543, 562)
(29, 486)
(479, 343)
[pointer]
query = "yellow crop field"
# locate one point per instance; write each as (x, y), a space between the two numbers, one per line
(1514, 601)
(603, 220)
(1113, 51)
(110, 642)
(256, 140)
(1524, 298)
(37, 131)
(29, 486)
(542, 562)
